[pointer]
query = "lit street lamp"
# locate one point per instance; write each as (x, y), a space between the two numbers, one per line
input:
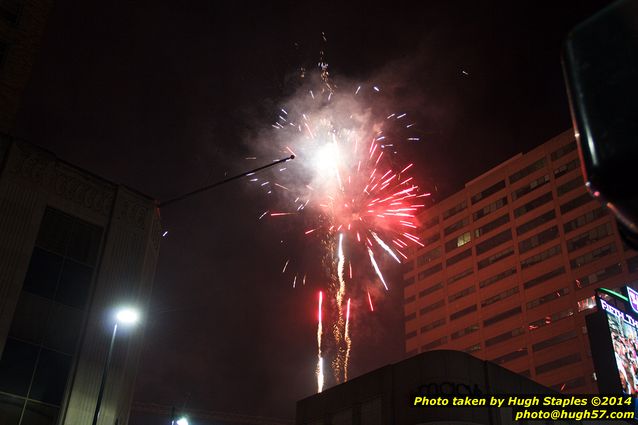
(125, 317)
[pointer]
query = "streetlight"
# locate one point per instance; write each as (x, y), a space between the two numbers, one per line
(126, 316)
(182, 421)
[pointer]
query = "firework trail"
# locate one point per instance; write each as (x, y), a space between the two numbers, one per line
(348, 343)
(319, 356)
(350, 190)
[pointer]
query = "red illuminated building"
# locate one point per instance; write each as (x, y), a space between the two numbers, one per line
(510, 265)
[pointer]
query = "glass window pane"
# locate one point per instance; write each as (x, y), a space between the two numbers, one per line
(54, 231)
(39, 414)
(30, 317)
(16, 366)
(63, 329)
(75, 283)
(42, 275)
(84, 243)
(50, 377)
(10, 409)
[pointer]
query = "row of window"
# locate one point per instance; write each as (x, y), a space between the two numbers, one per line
(540, 257)
(589, 237)
(538, 239)
(532, 186)
(593, 255)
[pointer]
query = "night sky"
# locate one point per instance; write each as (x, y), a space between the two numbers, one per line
(167, 96)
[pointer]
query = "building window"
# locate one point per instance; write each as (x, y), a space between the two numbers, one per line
(494, 224)
(592, 256)
(538, 239)
(632, 264)
(431, 239)
(584, 219)
(563, 150)
(494, 241)
(456, 226)
(49, 315)
(466, 331)
(431, 222)
(435, 343)
(410, 316)
(463, 312)
(558, 363)
(433, 254)
(548, 320)
(461, 294)
(575, 203)
(473, 348)
(458, 257)
(570, 185)
(544, 277)
(430, 290)
(535, 222)
(566, 168)
(521, 352)
(454, 210)
(431, 307)
(433, 325)
(599, 276)
(410, 299)
(410, 335)
(489, 191)
(532, 186)
(457, 242)
(504, 337)
(497, 277)
(533, 204)
(589, 237)
(460, 276)
(555, 340)
(587, 304)
(540, 257)
(528, 170)
(500, 296)
(429, 272)
(547, 298)
(409, 281)
(502, 316)
(495, 258)
(490, 208)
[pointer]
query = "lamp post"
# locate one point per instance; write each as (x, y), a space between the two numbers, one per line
(125, 317)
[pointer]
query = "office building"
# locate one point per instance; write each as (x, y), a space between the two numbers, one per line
(73, 247)
(509, 268)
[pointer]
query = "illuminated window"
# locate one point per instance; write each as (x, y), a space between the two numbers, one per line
(599, 276)
(587, 304)
(457, 242)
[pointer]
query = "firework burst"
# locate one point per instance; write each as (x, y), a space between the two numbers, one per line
(355, 198)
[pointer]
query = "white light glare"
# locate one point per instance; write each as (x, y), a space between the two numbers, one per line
(127, 316)
(182, 421)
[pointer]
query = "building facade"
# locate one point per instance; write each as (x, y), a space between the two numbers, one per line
(386, 395)
(72, 247)
(509, 268)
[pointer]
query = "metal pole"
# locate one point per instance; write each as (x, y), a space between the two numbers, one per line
(105, 372)
(201, 189)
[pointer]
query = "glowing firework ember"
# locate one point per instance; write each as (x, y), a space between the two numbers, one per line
(355, 198)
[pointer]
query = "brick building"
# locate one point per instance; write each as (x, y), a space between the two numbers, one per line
(509, 268)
